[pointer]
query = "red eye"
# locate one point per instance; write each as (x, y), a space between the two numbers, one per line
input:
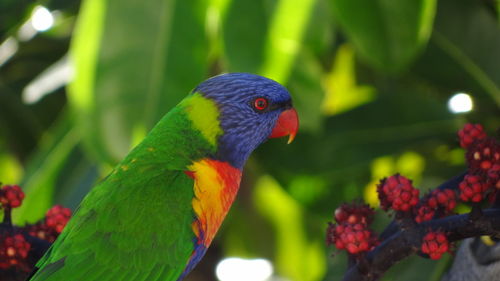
(260, 103)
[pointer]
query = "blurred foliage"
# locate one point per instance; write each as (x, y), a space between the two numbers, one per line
(370, 79)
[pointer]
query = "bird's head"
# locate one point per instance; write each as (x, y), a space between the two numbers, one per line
(250, 109)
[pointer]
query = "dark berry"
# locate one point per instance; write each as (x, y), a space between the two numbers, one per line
(354, 213)
(471, 133)
(13, 251)
(483, 156)
(11, 196)
(494, 176)
(424, 213)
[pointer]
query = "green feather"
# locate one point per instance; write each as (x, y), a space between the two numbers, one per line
(136, 223)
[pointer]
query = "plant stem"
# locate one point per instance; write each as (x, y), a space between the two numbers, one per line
(7, 216)
(404, 243)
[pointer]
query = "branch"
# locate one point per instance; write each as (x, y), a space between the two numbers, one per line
(450, 184)
(404, 243)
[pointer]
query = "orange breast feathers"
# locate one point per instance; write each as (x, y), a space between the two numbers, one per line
(215, 186)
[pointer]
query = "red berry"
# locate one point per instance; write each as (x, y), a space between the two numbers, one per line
(13, 251)
(355, 238)
(57, 218)
(472, 188)
(42, 231)
(354, 213)
(11, 196)
(483, 156)
(435, 244)
(424, 213)
(443, 200)
(494, 176)
(398, 193)
(470, 134)
(446, 198)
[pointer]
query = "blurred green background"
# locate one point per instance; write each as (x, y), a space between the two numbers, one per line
(81, 82)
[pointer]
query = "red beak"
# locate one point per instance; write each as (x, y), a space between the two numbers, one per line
(287, 125)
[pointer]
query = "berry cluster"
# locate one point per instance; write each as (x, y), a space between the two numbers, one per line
(471, 133)
(57, 217)
(17, 243)
(494, 176)
(14, 251)
(424, 213)
(445, 199)
(11, 196)
(49, 229)
(435, 244)
(354, 213)
(472, 188)
(437, 202)
(483, 160)
(398, 193)
(351, 232)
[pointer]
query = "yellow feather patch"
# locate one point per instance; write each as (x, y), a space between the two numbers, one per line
(204, 114)
(215, 187)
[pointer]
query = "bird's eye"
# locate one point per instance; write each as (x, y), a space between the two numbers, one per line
(260, 104)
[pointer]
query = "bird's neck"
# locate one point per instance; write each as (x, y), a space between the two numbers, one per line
(216, 186)
(234, 149)
(192, 131)
(228, 146)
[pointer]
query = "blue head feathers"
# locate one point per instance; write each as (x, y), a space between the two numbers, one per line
(249, 107)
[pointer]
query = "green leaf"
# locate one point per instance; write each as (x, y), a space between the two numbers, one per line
(305, 86)
(248, 17)
(43, 172)
(414, 268)
(498, 10)
(134, 61)
(387, 34)
(19, 124)
(10, 168)
(341, 153)
(476, 52)
(284, 38)
(342, 91)
(298, 256)
(12, 14)
(320, 36)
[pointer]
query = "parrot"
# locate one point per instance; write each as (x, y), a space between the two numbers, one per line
(156, 213)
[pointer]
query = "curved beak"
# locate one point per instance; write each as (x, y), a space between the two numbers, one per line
(286, 125)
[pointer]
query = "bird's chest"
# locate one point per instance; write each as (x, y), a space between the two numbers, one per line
(216, 184)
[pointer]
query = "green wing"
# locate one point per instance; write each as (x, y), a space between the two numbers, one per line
(135, 225)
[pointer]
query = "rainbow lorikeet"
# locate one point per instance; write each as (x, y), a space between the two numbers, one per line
(154, 216)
